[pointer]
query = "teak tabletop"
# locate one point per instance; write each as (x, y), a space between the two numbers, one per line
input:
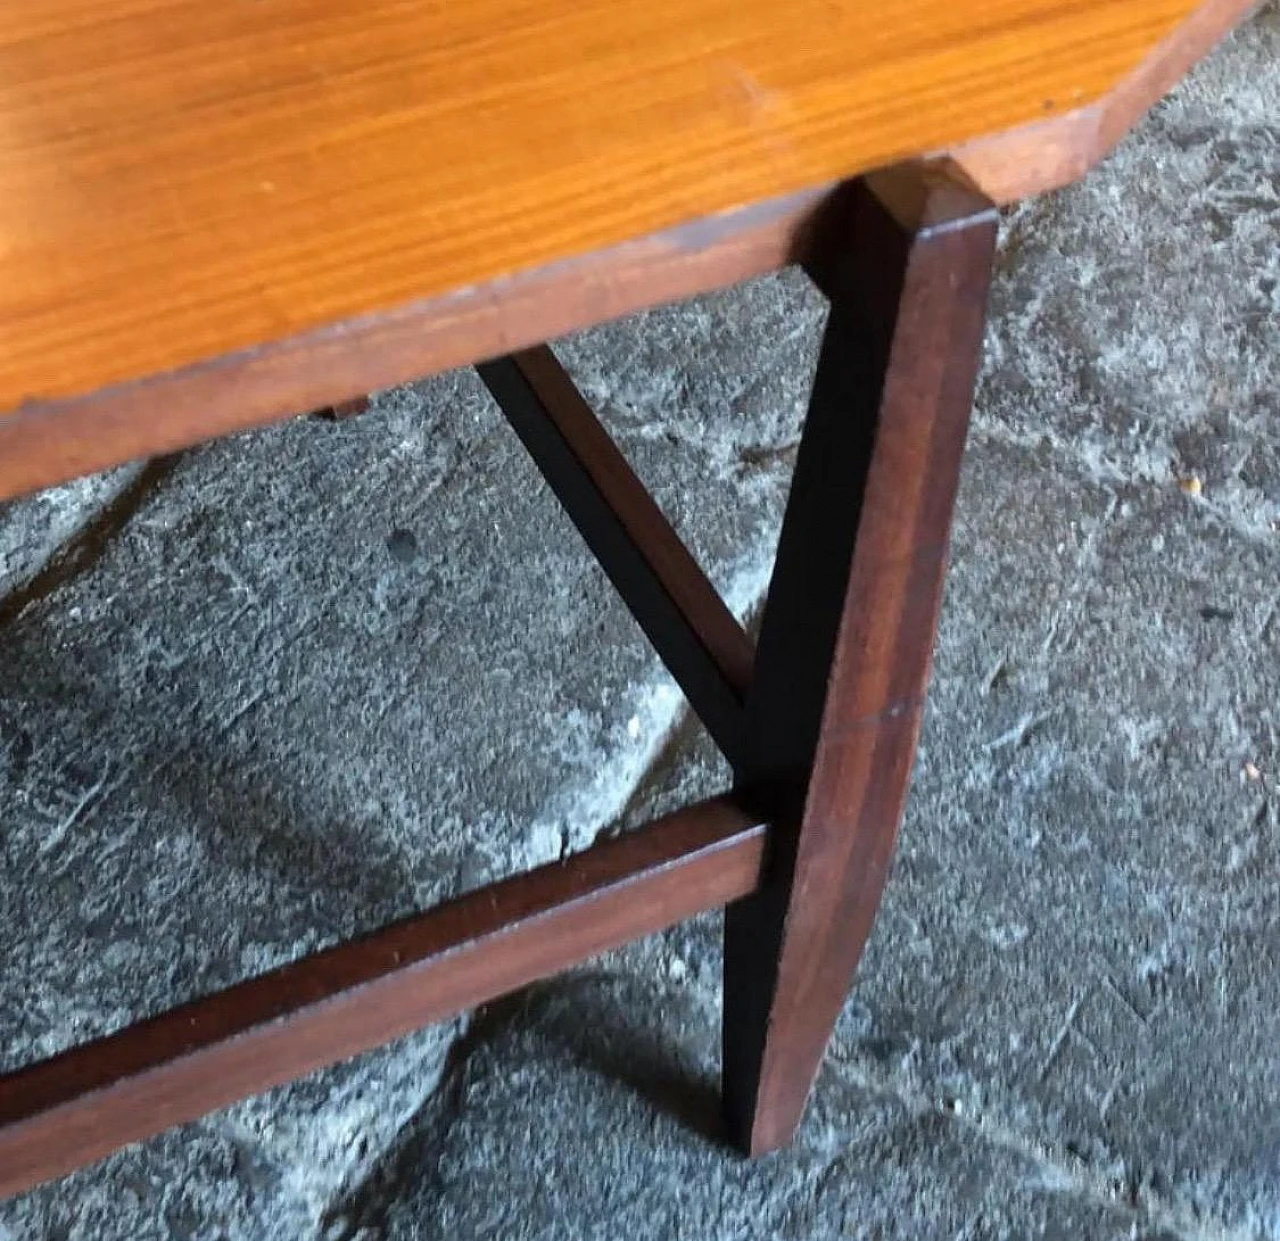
(181, 180)
(215, 214)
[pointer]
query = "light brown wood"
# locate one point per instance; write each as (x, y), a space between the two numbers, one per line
(49, 441)
(1047, 154)
(76, 1107)
(184, 179)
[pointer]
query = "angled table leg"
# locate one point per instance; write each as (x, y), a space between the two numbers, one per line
(849, 624)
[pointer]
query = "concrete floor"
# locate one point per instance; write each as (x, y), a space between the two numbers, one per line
(297, 683)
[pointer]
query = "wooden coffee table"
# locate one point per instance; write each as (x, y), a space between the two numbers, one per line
(216, 215)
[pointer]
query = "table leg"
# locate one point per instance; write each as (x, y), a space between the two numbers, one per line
(850, 620)
(343, 409)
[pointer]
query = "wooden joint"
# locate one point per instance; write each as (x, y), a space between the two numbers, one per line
(889, 212)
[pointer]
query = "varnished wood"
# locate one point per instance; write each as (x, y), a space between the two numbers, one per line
(62, 1113)
(217, 215)
(252, 344)
(1047, 154)
(47, 442)
(184, 180)
(343, 410)
(848, 628)
(685, 619)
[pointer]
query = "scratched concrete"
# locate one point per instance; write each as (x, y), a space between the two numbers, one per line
(291, 685)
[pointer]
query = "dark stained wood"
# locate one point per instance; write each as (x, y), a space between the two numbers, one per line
(343, 409)
(848, 628)
(70, 1110)
(827, 734)
(688, 623)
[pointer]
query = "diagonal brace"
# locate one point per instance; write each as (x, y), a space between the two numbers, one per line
(692, 629)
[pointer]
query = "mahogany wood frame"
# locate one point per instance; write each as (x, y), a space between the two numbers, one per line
(819, 725)
(847, 635)
(76, 1107)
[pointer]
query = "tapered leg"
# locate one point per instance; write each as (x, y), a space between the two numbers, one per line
(849, 624)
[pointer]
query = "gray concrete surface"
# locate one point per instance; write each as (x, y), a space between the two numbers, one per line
(294, 684)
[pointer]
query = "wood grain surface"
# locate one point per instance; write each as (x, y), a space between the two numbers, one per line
(184, 179)
(1047, 154)
(47, 442)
